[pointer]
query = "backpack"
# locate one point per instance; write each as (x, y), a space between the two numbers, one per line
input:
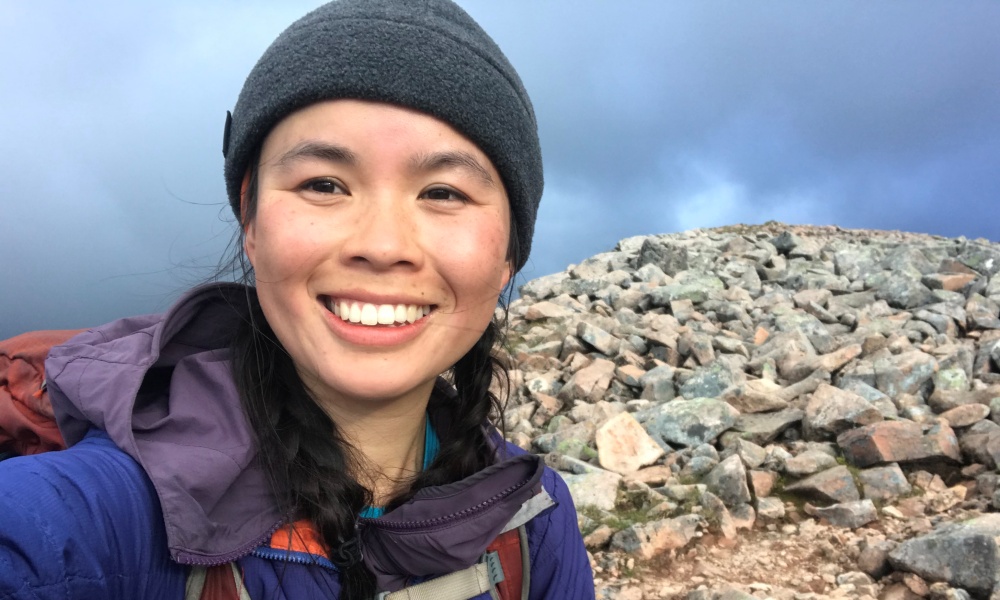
(27, 426)
(500, 572)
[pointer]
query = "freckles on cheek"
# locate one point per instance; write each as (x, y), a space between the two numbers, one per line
(283, 245)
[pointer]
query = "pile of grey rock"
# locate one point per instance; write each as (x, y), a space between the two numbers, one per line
(714, 383)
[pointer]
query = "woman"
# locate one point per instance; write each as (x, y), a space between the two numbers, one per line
(293, 439)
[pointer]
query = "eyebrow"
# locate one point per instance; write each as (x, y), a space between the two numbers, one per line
(452, 159)
(321, 150)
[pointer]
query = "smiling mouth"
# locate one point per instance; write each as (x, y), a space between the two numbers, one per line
(375, 315)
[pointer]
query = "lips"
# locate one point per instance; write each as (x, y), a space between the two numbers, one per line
(375, 315)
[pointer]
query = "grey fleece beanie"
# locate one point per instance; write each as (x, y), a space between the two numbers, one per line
(428, 55)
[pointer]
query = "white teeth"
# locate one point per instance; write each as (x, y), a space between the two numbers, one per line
(386, 314)
(369, 314)
(377, 314)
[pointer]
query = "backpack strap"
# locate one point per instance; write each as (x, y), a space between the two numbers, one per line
(460, 585)
(221, 582)
(507, 564)
(502, 572)
(511, 554)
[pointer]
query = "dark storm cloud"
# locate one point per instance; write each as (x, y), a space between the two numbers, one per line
(860, 114)
(654, 116)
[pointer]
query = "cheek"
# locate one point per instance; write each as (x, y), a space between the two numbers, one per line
(477, 255)
(284, 241)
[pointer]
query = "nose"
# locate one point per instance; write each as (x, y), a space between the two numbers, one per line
(383, 235)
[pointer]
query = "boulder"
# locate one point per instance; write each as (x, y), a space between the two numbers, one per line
(964, 554)
(598, 489)
(728, 481)
(831, 411)
(899, 441)
(623, 446)
(589, 383)
(764, 428)
(833, 485)
(648, 540)
(691, 422)
(850, 515)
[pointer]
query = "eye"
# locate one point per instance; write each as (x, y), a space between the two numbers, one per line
(444, 193)
(324, 186)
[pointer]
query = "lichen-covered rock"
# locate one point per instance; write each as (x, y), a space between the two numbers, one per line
(647, 540)
(598, 489)
(691, 422)
(966, 555)
(884, 483)
(764, 428)
(728, 481)
(832, 485)
(887, 342)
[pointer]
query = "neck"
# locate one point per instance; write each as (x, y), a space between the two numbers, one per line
(388, 436)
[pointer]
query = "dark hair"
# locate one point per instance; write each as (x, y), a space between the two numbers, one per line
(301, 450)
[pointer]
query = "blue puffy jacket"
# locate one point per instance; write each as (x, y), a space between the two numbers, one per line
(157, 480)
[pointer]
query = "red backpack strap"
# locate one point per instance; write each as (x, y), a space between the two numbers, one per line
(221, 582)
(512, 549)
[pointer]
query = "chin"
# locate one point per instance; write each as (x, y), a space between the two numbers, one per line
(376, 386)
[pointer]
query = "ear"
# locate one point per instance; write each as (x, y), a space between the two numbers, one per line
(249, 231)
(508, 272)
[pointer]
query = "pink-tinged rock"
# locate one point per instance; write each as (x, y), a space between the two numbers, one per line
(963, 416)
(589, 383)
(547, 407)
(829, 363)
(899, 441)
(951, 282)
(762, 482)
(547, 310)
(831, 411)
(654, 476)
(944, 400)
(884, 483)
(981, 443)
(850, 515)
(805, 297)
(623, 446)
(630, 375)
(647, 540)
(757, 396)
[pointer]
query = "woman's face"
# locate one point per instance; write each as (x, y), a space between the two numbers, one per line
(379, 246)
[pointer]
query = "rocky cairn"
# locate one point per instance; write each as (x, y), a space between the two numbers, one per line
(718, 393)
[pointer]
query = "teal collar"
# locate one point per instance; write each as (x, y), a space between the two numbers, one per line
(431, 447)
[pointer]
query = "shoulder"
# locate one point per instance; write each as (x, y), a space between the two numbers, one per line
(79, 523)
(560, 566)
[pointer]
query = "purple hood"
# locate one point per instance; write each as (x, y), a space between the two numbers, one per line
(160, 386)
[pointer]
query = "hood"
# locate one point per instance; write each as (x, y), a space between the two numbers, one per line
(161, 387)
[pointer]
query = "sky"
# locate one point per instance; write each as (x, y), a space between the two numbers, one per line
(654, 117)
